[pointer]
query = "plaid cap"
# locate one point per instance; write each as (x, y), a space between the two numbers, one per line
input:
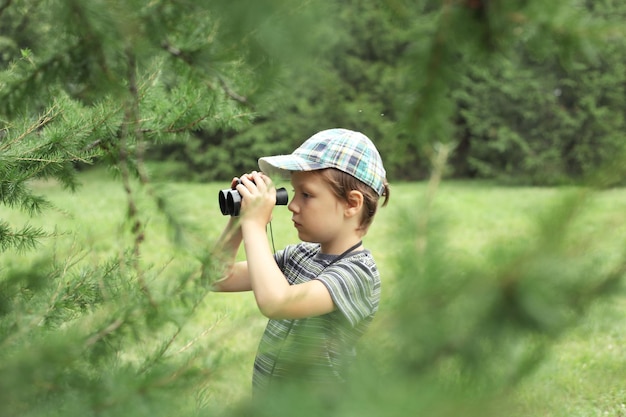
(346, 150)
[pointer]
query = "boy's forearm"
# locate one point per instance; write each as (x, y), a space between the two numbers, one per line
(229, 241)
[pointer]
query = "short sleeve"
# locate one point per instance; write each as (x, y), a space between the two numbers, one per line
(354, 285)
(281, 256)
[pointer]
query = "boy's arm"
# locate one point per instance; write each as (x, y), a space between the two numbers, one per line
(236, 277)
(274, 296)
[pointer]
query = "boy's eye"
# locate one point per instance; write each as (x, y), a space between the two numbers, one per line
(304, 194)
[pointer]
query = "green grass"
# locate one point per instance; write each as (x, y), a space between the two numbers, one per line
(581, 376)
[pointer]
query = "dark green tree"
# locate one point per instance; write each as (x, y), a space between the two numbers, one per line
(537, 104)
(546, 114)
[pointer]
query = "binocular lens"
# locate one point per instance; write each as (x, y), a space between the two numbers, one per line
(223, 195)
(233, 203)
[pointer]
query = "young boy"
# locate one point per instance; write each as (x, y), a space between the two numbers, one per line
(319, 295)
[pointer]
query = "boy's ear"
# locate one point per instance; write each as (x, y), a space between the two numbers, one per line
(355, 202)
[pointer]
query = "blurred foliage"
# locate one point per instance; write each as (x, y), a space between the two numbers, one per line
(522, 91)
(65, 335)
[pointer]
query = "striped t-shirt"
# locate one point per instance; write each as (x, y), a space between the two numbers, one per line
(319, 349)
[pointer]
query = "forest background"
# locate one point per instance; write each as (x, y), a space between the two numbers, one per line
(515, 92)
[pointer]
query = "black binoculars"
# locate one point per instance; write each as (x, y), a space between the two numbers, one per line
(230, 200)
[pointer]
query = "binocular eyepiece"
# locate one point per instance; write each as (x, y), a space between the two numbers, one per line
(230, 200)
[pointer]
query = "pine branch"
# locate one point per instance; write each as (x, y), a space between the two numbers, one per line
(44, 120)
(230, 92)
(20, 240)
(202, 334)
(5, 6)
(131, 118)
(14, 193)
(187, 59)
(110, 328)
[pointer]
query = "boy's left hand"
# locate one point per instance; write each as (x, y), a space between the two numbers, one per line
(258, 198)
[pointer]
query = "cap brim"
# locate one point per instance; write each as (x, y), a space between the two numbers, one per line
(284, 165)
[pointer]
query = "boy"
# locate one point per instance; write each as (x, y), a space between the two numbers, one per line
(319, 295)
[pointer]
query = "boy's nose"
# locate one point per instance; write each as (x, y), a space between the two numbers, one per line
(292, 207)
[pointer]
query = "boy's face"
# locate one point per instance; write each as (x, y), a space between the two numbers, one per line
(317, 214)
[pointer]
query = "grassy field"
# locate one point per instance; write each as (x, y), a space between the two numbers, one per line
(583, 375)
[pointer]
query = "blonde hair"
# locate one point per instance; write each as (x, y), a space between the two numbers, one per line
(342, 183)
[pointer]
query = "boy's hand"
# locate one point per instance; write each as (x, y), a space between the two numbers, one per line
(258, 198)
